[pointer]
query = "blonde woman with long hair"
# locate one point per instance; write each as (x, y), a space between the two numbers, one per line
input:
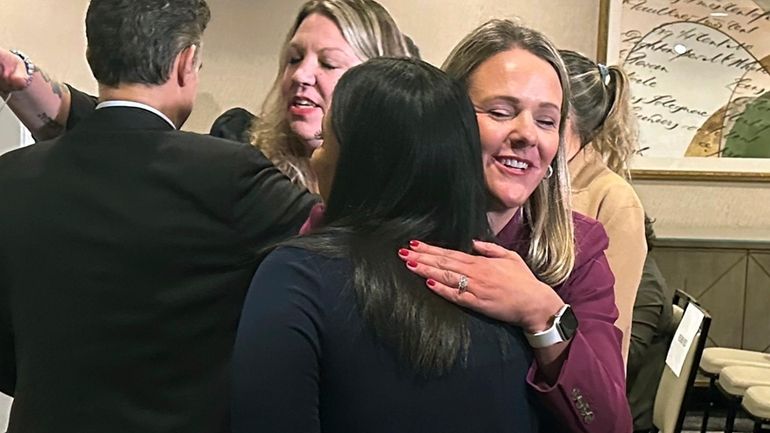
(326, 39)
(547, 273)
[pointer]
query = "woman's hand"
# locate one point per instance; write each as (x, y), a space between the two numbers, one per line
(499, 285)
(13, 73)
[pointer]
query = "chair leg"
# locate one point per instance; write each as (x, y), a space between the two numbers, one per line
(759, 426)
(709, 402)
(730, 421)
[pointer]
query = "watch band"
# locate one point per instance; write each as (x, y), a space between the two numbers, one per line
(550, 336)
(28, 65)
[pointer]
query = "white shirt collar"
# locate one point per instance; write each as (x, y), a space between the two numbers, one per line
(119, 103)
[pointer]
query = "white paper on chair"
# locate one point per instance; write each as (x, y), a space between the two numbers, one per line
(684, 338)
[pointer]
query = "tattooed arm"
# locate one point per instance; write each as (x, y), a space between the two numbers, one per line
(39, 102)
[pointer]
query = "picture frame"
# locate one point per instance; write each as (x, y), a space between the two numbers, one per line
(700, 84)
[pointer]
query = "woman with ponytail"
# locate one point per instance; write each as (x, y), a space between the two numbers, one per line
(601, 137)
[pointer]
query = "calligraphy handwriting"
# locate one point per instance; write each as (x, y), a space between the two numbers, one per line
(670, 103)
(703, 37)
(639, 59)
(754, 14)
(743, 25)
(729, 60)
(658, 119)
(744, 84)
(641, 6)
(651, 81)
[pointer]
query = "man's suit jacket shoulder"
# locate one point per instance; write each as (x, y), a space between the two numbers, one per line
(126, 248)
(264, 201)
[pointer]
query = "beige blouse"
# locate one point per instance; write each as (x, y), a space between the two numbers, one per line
(603, 195)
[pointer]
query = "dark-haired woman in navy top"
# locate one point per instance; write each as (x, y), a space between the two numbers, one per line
(336, 335)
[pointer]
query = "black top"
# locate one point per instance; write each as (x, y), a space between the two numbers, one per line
(305, 362)
(126, 248)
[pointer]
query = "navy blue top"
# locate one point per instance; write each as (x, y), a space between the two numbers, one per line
(304, 361)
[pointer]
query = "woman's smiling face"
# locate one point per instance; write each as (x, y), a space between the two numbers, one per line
(517, 97)
(317, 57)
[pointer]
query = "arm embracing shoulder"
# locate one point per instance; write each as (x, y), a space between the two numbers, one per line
(268, 206)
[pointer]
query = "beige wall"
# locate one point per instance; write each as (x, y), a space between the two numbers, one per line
(712, 210)
(242, 42)
(240, 63)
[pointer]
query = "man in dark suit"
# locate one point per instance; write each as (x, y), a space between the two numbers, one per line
(126, 246)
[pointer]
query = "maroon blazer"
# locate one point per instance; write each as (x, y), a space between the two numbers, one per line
(590, 393)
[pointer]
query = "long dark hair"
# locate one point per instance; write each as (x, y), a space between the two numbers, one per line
(409, 167)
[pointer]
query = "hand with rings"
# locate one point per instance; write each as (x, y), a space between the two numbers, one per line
(496, 283)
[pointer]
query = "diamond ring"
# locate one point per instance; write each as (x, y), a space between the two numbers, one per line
(462, 286)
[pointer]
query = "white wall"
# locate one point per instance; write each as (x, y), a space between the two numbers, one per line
(10, 134)
(5, 407)
(713, 210)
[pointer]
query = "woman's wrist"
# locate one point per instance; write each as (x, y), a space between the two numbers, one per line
(544, 311)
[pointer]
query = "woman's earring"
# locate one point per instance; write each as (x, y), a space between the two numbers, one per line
(548, 173)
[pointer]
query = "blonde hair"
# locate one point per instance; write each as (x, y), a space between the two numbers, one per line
(548, 212)
(370, 31)
(601, 110)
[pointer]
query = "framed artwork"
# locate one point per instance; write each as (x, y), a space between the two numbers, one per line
(699, 73)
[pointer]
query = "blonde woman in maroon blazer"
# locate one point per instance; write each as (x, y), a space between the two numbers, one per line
(548, 274)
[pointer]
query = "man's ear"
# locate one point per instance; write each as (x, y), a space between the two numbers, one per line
(187, 65)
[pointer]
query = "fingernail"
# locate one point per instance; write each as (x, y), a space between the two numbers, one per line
(411, 264)
(414, 244)
(431, 282)
(403, 252)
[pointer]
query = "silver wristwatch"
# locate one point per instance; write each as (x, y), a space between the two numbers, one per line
(564, 326)
(28, 65)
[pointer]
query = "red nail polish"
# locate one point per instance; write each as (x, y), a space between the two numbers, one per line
(411, 264)
(414, 244)
(431, 282)
(403, 252)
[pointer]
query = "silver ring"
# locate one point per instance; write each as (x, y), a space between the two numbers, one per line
(462, 286)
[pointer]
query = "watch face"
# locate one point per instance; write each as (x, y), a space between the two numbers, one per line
(568, 323)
